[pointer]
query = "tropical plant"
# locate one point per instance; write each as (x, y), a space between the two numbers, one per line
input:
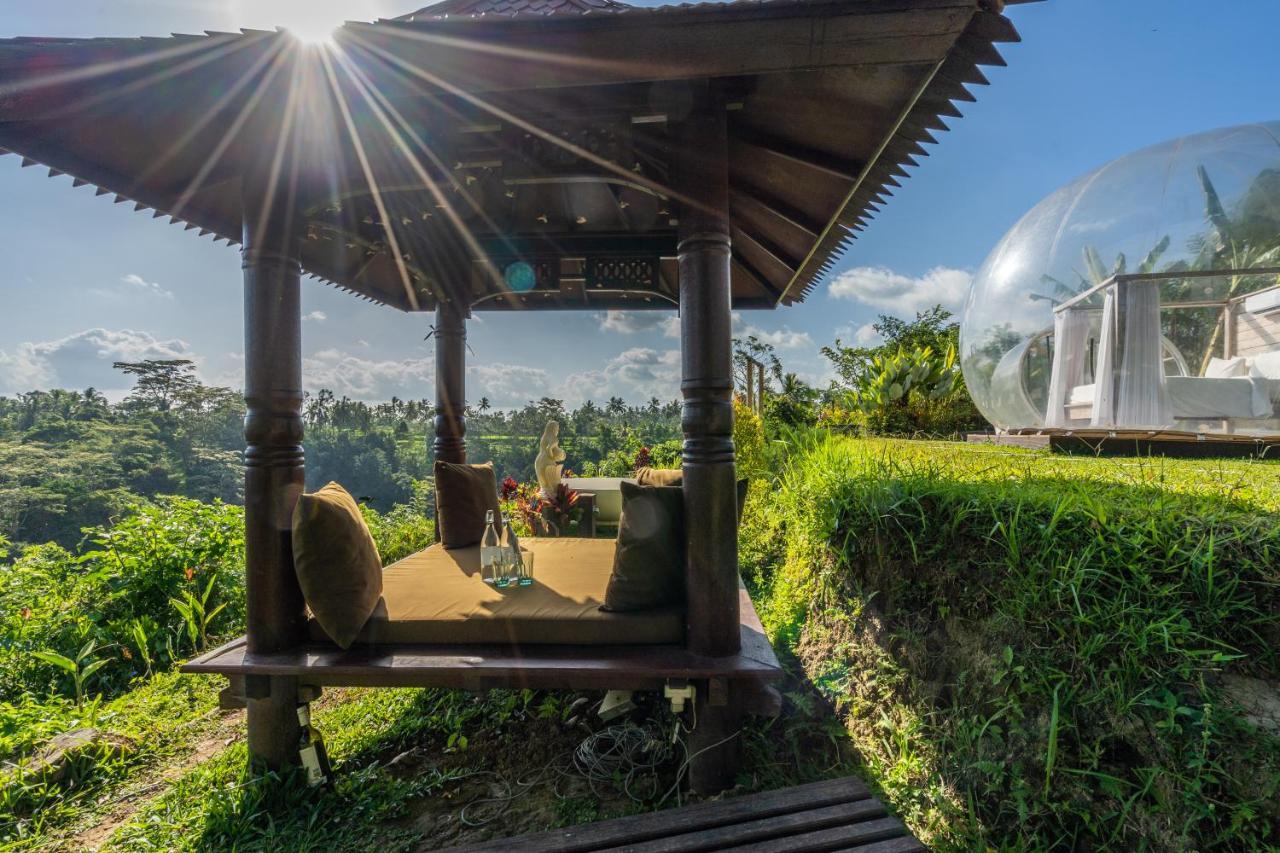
(81, 667)
(197, 614)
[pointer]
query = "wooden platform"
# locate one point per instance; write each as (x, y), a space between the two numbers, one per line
(481, 667)
(839, 814)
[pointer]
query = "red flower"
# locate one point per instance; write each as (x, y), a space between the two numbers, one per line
(189, 574)
(644, 459)
(510, 488)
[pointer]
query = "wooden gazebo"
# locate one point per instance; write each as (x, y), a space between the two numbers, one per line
(500, 155)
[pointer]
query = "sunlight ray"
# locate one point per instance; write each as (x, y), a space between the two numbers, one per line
(504, 50)
(214, 43)
(223, 51)
(197, 181)
(367, 168)
(504, 115)
(283, 139)
(381, 107)
(174, 149)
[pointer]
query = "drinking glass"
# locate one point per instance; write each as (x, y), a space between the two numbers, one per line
(526, 568)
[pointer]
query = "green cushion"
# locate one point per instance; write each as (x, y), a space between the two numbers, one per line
(336, 561)
(464, 493)
(648, 564)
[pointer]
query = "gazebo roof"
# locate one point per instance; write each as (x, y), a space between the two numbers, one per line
(436, 150)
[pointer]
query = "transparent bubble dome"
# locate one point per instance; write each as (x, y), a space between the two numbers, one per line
(1206, 202)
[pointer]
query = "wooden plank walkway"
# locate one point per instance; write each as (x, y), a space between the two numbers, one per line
(839, 814)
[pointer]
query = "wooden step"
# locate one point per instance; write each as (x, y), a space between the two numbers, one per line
(839, 814)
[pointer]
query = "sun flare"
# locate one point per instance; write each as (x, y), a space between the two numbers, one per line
(311, 21)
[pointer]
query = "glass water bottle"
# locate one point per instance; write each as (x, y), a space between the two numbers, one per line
(312, 751)
(490, 570)
(503, 563)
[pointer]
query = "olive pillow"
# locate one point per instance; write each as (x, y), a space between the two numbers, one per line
(336, 561)
(464, 493)
(648, 565)
(675, 477)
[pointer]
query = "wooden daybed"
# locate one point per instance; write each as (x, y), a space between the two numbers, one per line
(482, 156)
(440, 625)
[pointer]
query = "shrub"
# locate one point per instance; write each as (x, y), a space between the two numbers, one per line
(748, 441)
(1033, 651)
(119, 594)
(405, 528)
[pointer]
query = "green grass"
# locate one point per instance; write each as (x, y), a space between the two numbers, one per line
(163, 717)
(1028, 650)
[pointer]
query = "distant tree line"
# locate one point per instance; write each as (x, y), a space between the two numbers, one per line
(71, 460)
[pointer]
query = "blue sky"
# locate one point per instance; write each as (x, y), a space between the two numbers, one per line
(87, 282)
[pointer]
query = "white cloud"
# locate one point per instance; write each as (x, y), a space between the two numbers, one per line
(83, 359)
(645, 372)
(781, 339)
(507, 385)
(367, 379)
(151, 288)
(315, 317)
(632, 322)
(635, 375)
(577, 388)
(905, 295)
(867, 336)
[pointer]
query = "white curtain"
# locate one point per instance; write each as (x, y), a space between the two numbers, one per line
(1104, 369)
(1143, 398)
(1070, 343)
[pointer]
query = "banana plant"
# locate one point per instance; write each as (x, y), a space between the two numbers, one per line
(893, 377)
(81, 668)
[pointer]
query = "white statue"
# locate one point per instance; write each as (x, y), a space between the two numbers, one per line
(548, 464)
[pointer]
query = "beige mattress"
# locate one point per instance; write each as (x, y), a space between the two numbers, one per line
(437, 596)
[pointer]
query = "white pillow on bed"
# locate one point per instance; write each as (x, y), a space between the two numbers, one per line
(1226, 368)
(1265, 365)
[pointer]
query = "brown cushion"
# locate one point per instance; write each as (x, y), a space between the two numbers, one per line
(659, 476)
(648, 566)
(464, 493)
(336, 561)
(675, 477)
(439, 596)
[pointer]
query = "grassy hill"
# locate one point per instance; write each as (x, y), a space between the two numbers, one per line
(1020, 650)
(1032, 651)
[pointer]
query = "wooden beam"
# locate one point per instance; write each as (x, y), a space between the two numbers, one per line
(790, 216)
(757, 276)
(630, 244)
(273, 458)
(833, 167)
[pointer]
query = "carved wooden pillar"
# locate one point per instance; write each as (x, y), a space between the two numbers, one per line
(711, 562)
(450, 444)
(711, 571)
(273, 460)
